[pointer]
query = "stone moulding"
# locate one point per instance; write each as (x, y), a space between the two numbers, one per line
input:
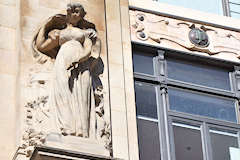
(53, 153)
(154, 29)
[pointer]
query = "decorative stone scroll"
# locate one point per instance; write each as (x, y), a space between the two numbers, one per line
(156, 30)
(68, 108)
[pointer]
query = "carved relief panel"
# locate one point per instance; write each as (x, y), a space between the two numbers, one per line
(186, 36)
(64, 87)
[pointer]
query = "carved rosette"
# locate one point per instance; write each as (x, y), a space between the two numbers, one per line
(166, 32)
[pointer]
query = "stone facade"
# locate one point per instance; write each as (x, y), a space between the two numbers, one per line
(9, 30)
(24, 82)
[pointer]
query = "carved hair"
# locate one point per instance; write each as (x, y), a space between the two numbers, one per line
(76, 5)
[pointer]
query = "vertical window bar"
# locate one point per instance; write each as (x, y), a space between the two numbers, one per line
(171, 140)
(161, 62)
(237, 111)
(159, 70)
(237, 81)
(207, 148)
(168, 129)
(159, 66)
(226, 8)
(161, 125)
(238, 134)
(232, 82)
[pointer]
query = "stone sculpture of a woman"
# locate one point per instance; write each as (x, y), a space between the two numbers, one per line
(73, 43)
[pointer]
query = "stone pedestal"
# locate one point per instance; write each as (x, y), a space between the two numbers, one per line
(76, 144)
(48, 153)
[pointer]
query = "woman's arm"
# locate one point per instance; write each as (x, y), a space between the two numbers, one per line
(44, 45)
(96, 49)
(87, 45)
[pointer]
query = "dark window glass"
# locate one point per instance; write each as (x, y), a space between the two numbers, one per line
(187, 140)
(146, 100)
(143, 62)
(221, 143)
(202, 104)
(200, 74)
(148, 139)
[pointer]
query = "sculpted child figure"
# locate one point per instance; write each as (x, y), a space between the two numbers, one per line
(73, 43)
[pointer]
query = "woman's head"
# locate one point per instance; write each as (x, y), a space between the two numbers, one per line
(75, 12)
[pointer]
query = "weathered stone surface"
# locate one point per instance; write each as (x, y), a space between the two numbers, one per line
(47, 153)
(69, 69)
(8, 40)
(168, 32)
(8, 16)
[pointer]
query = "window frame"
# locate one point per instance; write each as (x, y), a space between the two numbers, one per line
(228, 8)
(166, 116)
(225, 8)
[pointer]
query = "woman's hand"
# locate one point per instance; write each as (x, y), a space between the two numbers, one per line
(54, 34)
(91, 33)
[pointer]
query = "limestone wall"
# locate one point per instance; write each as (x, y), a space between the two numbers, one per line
(116, 55)
(9, 20)
(19, 21)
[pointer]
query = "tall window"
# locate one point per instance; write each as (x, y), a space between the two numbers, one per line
(221, 7)
(187, 106)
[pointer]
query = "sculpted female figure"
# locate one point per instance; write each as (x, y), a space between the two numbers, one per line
(72, 42)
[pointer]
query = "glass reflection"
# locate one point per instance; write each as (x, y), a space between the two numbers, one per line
(202, 104)
(199, 74)
(221, 142)
(148, 139)
(146, 100)
(187, 140)
(143, 62)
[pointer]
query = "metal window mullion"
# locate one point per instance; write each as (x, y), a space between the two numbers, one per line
(159, 71)
(166, 121)
(206, 142)
(159, 66)
(171, 140)
(170, 127)
(162, 120)
(237, 111)
(226, 8)
(238, 133)
(236, 81)
(233, 83)
(161, 62)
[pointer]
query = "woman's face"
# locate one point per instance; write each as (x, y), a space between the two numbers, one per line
(75, 14)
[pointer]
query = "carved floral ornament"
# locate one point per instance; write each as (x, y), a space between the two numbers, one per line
(153, 29)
